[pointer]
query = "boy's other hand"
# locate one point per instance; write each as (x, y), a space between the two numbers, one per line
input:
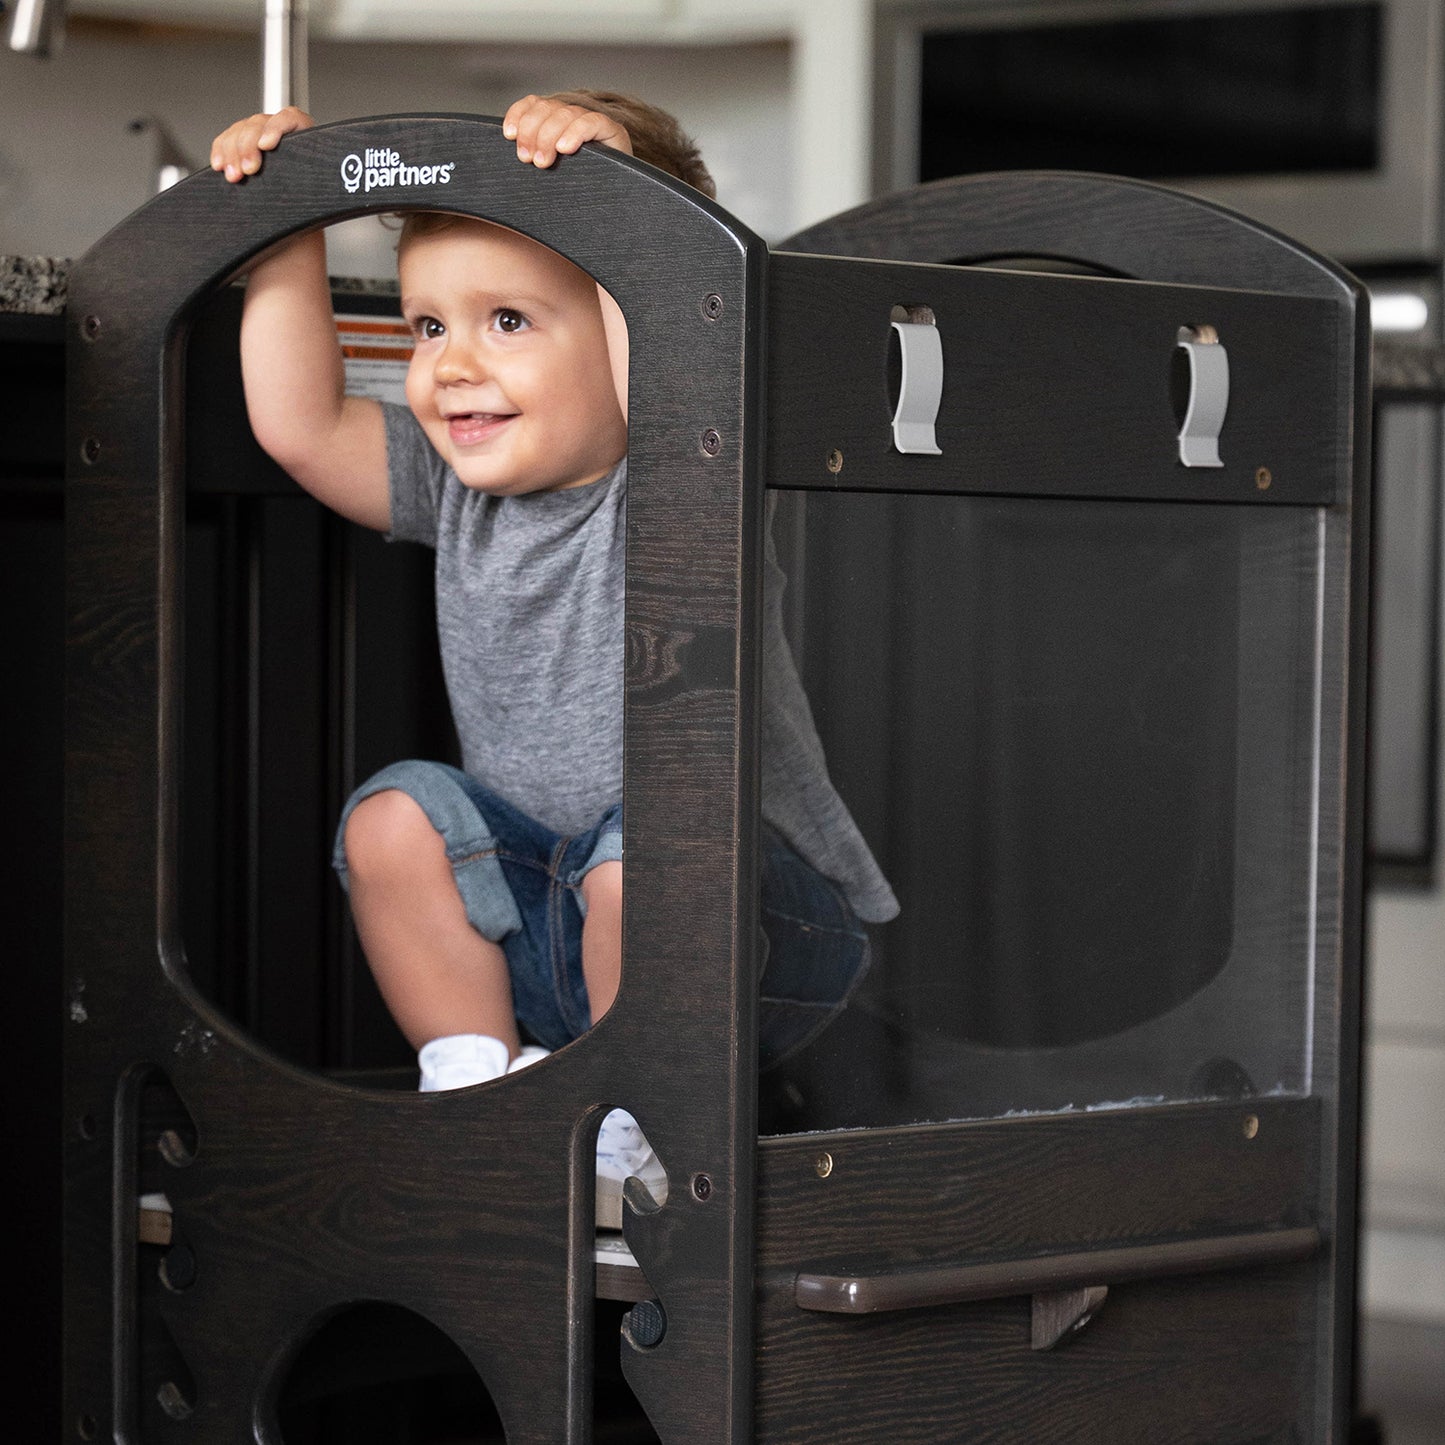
(545, 128)
(237, 150)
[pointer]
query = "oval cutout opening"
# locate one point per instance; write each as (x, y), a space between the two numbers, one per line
(380, 1372)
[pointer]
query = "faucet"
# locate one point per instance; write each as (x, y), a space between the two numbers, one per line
(283, 55)
(36, 27)
(172, 163)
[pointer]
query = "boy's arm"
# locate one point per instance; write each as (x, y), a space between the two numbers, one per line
(334, 445)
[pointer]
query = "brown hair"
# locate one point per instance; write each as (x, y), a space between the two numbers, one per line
(656, 138)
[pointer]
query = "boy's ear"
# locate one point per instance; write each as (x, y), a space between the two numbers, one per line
(615, 326)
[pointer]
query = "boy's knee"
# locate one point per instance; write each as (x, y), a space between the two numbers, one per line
(602, 886)
(389, 830)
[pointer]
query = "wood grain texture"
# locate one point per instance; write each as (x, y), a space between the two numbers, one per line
(1110, 224)
(1053, 385)
(1281, 1340)
(1146, 1368)
(472, 1210)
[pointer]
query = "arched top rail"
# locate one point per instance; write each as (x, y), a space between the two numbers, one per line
(616, 217)
(1110, 224)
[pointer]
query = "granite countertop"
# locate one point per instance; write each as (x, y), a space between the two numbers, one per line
(38, 285)
(33, 285)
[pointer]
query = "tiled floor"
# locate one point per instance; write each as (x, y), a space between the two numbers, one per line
(1403, 1380)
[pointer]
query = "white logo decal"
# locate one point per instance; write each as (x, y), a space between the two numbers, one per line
(380, 168)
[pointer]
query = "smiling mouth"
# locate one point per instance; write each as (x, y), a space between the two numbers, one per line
(470, 427)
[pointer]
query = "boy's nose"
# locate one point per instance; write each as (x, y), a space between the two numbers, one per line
(459, 362)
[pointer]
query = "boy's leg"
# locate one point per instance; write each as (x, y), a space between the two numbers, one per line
(438, 975)
(813, 951)
(622, 1147)
(601, 889)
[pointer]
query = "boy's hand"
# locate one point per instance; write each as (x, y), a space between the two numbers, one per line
(237, 150)
(545, 128)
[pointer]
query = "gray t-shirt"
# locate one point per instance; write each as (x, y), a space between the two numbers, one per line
(529, 596)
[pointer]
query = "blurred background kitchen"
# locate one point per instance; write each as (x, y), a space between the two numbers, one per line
(1324, 119)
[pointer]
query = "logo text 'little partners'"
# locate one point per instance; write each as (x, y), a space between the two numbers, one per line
(379, 168)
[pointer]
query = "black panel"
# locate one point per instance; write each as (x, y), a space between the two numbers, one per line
(1237, 92)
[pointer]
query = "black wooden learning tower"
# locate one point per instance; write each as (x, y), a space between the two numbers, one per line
(1078, 1161)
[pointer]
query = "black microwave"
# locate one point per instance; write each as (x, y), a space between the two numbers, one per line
(1323, 118)
(1320, 117)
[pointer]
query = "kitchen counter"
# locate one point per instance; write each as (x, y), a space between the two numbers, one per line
(33, 285)
(39, 285)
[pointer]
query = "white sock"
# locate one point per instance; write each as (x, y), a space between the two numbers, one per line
(456, 1060)
(529, 1055)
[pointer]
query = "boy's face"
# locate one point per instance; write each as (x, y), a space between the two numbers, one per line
(510, 378)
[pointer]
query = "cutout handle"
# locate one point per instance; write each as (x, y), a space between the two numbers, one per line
(921, 388)
(1208, 396)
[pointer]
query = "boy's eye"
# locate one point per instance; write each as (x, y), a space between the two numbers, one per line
(429, 328)
(508, 320)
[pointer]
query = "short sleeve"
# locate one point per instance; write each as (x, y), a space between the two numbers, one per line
(415, 474)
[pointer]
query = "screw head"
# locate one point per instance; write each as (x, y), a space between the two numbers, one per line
(835, 461)
(712, 306)
(1251, 1125)
(177, 1269)
(823, 1165)
(1262, 478)
(646, 1323)
(90, 327)
(702, 1187)
(90, 450)
(711, 442)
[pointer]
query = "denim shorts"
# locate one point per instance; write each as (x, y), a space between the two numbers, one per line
(521, 885)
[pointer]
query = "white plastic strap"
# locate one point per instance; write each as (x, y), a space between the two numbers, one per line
(921, 388)
(1208, 396)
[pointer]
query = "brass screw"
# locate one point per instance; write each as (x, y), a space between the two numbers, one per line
(1262, 478)
(1251, 1125)
(835, 461)
(824, 1165)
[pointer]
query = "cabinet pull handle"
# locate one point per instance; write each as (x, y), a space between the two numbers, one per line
(905, 1289)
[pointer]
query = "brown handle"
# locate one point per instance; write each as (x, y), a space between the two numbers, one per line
(908, 1289)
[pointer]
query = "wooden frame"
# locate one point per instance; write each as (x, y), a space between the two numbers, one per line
(294, 1194)
(662, 251)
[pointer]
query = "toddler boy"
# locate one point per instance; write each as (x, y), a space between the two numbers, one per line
(488, 899)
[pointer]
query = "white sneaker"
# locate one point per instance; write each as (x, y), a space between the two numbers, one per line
(623, 1152)
(457, 1060)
